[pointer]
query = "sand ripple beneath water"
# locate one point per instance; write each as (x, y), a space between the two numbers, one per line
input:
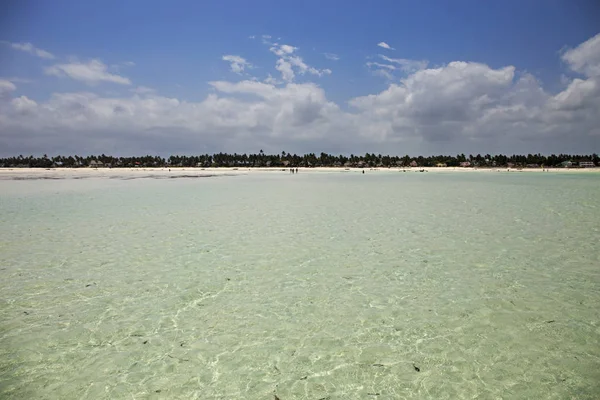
(331, 286)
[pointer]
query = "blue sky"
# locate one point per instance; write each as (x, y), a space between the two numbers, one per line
(79, 76)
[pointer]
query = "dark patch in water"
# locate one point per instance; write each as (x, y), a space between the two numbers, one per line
(177, 358)
(129, 178)
(123, 178)
(34, 178)
(198, 176)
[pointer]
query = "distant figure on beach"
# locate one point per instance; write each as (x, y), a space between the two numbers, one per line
(363, 171)
(296, 170)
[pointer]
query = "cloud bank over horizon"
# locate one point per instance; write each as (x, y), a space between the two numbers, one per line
(460, 106)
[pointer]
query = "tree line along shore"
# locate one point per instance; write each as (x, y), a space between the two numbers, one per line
(306, 161)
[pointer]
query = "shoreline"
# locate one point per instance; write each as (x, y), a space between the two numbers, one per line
(66, 173)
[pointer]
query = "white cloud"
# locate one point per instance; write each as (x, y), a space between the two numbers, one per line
(23, 105)
(6, 87)
(288, 62)
(31, 49)
(331, 56)
(382, 70)
(287, 73)
(385, 46)
(70, 122)
(379, 65)
(92, 72)
(406, 65)
(237, 64)
(585, 58)
(398, 64)
(471, 105)
(272, 81)
(129, 64)
(303, 68)
(457, 107)
(282, 50)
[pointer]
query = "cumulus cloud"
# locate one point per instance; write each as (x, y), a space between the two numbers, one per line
(289, 64)
(282, 50)
(585, 58)
(23, 105)
(31, 49)
(237, 64)
(287, 73)
(303, 68)
(429, 101)
(92, 72)
(6, 87)
(85, 120)
(457, 107)
(385, 46)
(272, 80)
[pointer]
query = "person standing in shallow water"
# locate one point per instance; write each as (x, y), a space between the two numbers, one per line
(296, 170)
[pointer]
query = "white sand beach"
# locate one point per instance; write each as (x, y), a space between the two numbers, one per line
(136, 173)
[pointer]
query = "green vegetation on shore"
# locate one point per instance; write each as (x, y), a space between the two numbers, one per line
(307, 160)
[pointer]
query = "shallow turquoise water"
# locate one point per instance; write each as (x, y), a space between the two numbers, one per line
(307, 286)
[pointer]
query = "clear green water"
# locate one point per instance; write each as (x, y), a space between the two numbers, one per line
(308, 286)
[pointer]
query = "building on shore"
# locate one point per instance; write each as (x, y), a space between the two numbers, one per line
(96, 164)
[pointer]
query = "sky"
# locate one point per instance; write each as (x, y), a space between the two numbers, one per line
(397, 77)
